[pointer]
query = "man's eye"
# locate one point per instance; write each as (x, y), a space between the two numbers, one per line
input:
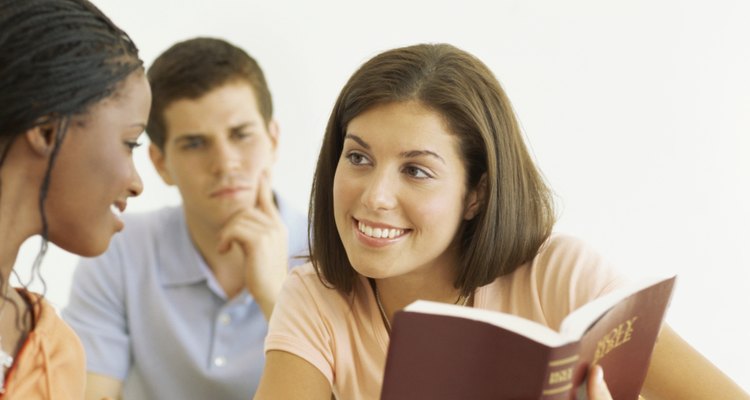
(192, 143)
(240, 135)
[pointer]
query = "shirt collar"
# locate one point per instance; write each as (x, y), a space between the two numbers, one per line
(181, 263)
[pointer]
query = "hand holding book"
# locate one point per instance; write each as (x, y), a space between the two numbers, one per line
(440, 351)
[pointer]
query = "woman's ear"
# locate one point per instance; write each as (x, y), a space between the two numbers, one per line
(41, 138)
(475, 198)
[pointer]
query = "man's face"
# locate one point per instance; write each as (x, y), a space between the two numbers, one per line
(216, 148)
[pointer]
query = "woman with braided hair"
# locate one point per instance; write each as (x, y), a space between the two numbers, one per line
(73, 102)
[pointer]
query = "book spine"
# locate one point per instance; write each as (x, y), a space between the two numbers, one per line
(565, 371)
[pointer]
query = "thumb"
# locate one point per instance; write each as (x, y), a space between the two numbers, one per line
(265, 195)
(597, 388)
(225, 243)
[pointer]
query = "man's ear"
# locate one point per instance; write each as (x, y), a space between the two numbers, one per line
(159, 159)
(475, 199)
(273, 133)
(41, 138)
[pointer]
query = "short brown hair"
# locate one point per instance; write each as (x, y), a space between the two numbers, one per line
(192, 68)
(517, 213)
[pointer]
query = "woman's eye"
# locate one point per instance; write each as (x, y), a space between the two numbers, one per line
(416, 172)
(132, 145)
(357, 158)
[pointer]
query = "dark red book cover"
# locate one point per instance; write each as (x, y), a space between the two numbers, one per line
(440, 352)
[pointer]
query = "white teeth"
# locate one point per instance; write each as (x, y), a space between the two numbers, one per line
(115, 210)
(379, 233)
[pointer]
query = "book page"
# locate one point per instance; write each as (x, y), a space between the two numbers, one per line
(522, 326)
(579, 321)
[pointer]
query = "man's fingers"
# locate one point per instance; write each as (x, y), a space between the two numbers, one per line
(244, 230)
(265, 195)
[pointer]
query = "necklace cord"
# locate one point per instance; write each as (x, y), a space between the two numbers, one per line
(463, 300)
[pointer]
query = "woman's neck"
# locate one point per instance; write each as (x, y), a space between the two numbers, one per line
(433, 284)
(14, 230)
(20, 217)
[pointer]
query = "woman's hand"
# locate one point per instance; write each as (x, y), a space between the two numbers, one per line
(597, 388)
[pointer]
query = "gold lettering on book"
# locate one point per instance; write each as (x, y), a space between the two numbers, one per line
(563, 361)
(615, 338)
(557, 390)
(564, 375)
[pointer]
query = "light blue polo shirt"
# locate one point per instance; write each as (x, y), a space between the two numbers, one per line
(149, 312)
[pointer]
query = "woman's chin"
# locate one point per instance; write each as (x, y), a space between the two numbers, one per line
(85, 248)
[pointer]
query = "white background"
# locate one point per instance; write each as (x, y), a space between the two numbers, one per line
(638, 113)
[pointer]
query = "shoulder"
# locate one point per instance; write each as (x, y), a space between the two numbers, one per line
(52, 354)
(304, 293)
(565, 274)
(61, 344)
(306, 320)
(559, 244)
(558, 261)
(571, 273)
(568, 260)
(51, 325)
(305, 272)
(305, 281)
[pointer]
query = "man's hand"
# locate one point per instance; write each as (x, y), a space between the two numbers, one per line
(262, 237)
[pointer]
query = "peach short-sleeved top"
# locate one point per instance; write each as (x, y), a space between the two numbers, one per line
(51, 364)
(346, 339)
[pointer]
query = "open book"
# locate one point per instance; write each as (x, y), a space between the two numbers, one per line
(442, 351)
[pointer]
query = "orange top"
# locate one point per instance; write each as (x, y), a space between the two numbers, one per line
(346, 339)
(51, 364)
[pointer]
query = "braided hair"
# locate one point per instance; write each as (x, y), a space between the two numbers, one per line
(57, 59)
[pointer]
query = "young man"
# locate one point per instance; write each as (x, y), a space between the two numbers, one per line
(177, 308)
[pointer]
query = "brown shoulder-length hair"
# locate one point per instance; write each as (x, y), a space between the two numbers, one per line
(517, 214)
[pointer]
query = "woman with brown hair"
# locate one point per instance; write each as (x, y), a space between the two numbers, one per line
(424, 189)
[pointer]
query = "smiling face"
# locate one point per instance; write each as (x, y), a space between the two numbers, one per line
(94, 173)
(399, 192)
(216, 149)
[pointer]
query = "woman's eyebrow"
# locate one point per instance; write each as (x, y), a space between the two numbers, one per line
(417, 153)
(357, 139)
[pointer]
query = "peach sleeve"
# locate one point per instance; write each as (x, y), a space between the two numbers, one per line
(299, 325)
(568, 273)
